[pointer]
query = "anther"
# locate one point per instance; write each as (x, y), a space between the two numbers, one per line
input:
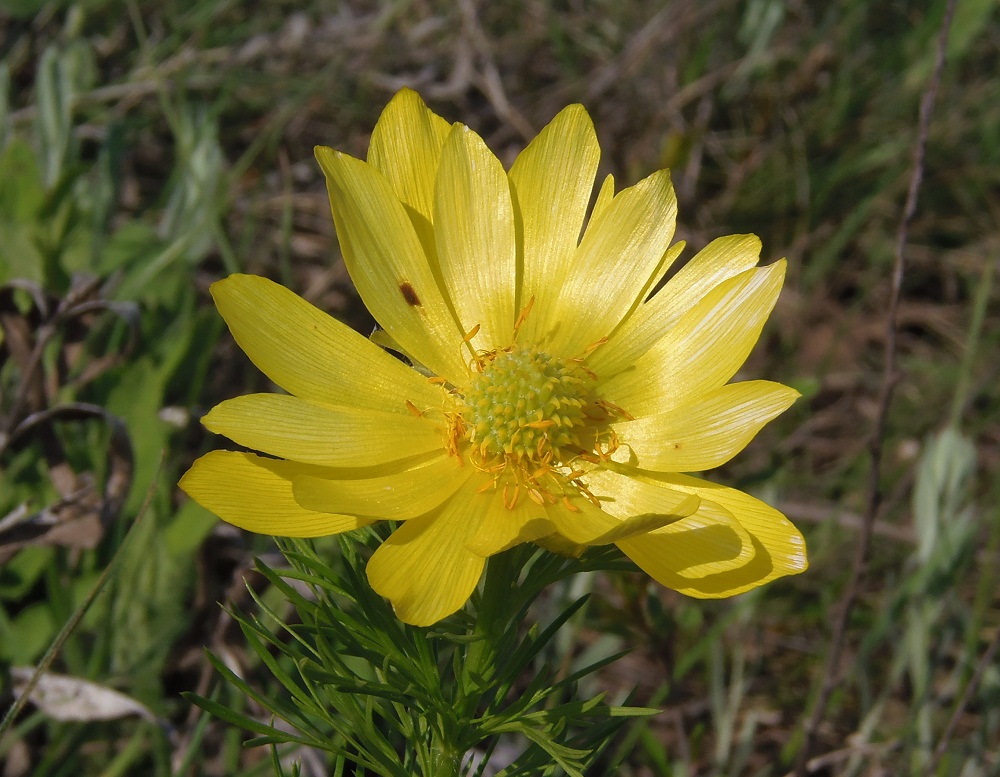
(522, 317)
(569, 505)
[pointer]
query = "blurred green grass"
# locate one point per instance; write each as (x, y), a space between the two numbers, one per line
(156, 147)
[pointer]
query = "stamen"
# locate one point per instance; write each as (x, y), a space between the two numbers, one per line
(522, 317)
(510, 498)
(593, 346)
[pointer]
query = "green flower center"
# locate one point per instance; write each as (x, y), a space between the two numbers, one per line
(527, 407)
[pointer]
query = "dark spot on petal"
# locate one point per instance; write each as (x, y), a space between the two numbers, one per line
(409, 294)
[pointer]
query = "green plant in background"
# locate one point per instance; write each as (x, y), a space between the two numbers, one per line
(99, 318)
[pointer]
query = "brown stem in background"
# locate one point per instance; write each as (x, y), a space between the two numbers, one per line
(832, 670)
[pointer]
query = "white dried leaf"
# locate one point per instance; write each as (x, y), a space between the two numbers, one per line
(66, 698)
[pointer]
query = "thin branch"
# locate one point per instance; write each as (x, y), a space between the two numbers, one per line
(832, 670)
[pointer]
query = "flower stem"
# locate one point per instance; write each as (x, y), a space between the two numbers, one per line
(446, 763)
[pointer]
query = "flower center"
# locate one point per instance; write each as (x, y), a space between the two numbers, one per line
(526, 407)
(534, 423)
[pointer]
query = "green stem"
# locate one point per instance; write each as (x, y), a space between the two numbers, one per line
(445, 763)
(502, 572)
(492, 616)
(979, 305)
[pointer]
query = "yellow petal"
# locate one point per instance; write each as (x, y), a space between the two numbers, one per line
(503, 527)
(424, 568)
(669, 257)
(551, 182)
(405, 494)
(389, 265)
(780, 548)
(605, 196)
(474, 233)
(704, 349)
(255, 494)
(619, 254)
(718, 261)
(311, 354)
(586, 524)
(622, 495)
(707, 432)
(556, 543)
(329, 436)
(406, 146)
(705, 539)
(709, 542)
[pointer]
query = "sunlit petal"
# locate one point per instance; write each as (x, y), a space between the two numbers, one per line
(330, 436)
(389, 264)
(586, 524)
(504, 526)
(707, 432)
(406, 147)
(704, 349)
(779, 547)
(623, 247)
(551, 183)
(255, 494)
(330, 362)
(719, 261)
(424, 568)
(405, 494)
(474, 233)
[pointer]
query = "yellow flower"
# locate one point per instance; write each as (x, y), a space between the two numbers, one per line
(549, 401)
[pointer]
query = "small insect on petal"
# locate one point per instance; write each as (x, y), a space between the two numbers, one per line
(409, 294)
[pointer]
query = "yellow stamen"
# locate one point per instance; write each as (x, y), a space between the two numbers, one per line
(593, 346)
(523, 317)
(510, 498)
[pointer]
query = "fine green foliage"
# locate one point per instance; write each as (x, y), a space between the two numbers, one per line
(399, 700)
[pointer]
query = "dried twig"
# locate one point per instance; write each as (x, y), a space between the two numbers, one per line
(488, 79)
(832, 670)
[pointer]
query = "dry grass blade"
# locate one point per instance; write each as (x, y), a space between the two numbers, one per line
(832, 669)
